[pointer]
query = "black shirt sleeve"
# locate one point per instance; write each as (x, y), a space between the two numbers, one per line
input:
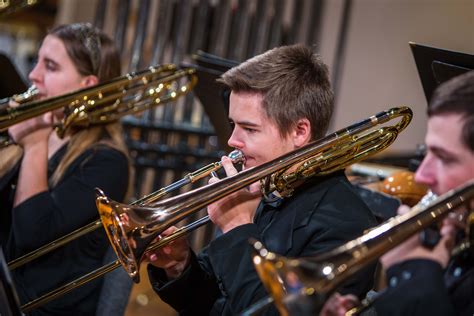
(71, 203)
(415, 287)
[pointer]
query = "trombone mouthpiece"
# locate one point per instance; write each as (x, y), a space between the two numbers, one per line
(117, 224)
(237, 156)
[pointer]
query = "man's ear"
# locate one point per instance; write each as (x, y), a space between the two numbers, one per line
(302, 132)
(89, 81)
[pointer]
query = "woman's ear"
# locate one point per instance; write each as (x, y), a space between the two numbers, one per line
(89, 81)
(302, 132)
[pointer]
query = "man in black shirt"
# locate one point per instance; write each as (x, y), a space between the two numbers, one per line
(424, 281)
(420, 280)
(280, 101)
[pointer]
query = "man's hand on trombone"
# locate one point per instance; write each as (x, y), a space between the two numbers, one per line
(237, 208)
(173, 258)
(414, 249)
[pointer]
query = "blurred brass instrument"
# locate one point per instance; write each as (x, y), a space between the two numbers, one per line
(236, 156)
(109, 101)
(8, 7)
(304, 284)
(132, 229)
(29, 95)
(395, 181)
(129, 94)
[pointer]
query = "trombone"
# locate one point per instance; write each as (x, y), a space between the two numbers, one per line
(100, 104)
(132, 229)
(29, 95)
(106, 102)
(144, 224)
(304, 284)
(236, 156)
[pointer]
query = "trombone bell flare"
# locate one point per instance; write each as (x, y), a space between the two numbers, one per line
(294, 283)
(116, 233)
(285, 280)
(130, 230)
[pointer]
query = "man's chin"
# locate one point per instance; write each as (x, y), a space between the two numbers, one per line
(250, 163)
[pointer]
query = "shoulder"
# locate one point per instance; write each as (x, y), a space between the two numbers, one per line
(338, 208)
(338, 183)
(104, 153)
(333, 189)
(101, 159)
(342, 194)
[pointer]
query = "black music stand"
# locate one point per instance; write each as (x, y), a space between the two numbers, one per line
(9, 303)
(436, 65)
(10, 81)
(213, 95)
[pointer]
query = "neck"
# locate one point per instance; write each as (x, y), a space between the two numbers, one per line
(55, 143)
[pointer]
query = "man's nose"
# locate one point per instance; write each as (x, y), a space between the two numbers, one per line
(234, 141)
(425, 173)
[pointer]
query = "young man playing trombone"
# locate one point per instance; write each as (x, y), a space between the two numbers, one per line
(280, 101)
(429, 280)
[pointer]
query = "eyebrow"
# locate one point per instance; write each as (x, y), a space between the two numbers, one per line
(49, 60)
(246, 123)
(441, 151)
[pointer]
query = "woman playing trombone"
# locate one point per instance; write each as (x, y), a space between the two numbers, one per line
(50, 191)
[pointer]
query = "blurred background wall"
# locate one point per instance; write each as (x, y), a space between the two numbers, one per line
(375, 67)
(378, 68)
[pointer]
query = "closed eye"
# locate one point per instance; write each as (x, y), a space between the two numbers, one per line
(444, 156)
(50, 64)
(250, 130)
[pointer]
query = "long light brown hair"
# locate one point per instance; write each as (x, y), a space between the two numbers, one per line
(93, 53)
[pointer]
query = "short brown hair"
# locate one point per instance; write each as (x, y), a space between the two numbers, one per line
(90, 49)
(457, 96)
(294, 83)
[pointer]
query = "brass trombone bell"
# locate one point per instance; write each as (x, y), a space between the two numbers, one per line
(236, 156)
(66, 288)
(132, 229)
(310, 281)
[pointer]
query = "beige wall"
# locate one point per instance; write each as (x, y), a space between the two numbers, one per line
(379, 71)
